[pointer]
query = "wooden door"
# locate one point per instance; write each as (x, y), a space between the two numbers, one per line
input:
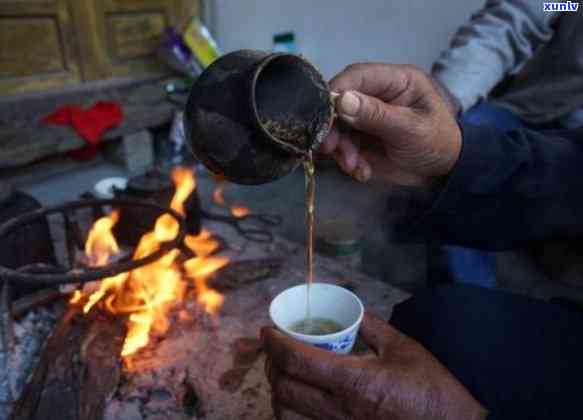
(37, 45)
(119, 38)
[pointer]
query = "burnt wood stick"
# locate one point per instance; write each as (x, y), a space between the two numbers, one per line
(78, 371)
(7, 325)
(71, 240)
(21, 306)
(32, 300)
(7, 334)
(241, 273)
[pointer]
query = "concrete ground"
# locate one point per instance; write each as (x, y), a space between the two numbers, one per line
(338, 197)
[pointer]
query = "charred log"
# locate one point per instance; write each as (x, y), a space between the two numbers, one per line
(39, 298)
(78, 371)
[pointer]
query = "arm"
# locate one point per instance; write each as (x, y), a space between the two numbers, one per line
(507, 189)
(496, 42)
(498, 190)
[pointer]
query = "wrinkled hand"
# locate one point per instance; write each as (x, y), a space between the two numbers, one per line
(394, 125)
(403, 380)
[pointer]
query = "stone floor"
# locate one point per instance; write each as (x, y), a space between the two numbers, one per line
(338, 196)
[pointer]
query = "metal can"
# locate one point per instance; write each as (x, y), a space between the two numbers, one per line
(341, 239)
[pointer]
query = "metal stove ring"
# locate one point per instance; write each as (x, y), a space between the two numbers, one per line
(77, 275)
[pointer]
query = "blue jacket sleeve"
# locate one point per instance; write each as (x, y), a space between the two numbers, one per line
(510, 188)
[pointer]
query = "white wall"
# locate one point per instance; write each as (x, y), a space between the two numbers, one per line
(334, 33)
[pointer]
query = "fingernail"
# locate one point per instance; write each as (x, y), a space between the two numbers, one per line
(361, 174)
(349, 104)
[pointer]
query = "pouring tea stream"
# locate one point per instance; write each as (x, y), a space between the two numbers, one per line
(252, 117)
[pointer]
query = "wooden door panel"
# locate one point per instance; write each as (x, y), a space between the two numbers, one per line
(134, 35)
(136, 5)
(37, 49)
(33, 54)
(125, 35)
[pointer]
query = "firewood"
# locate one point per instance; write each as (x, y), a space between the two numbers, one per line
(78, 370)
(41, 297)
(242, 273)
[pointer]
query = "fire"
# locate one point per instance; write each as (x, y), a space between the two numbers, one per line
(101, 244)
(203, 244)
(199, 269)
(185, 184)
(239, 211)
(218, 197)
(202, 266)
(76, 298)
(209, 298)
(147, 294)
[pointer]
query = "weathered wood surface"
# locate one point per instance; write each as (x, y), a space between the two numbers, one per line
(78, 371)
(120, 37)
(38, 49)
(211, 368)
(24, 139)
(49, 44)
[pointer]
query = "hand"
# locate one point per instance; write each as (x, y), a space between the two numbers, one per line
(403, 380)
(394, 125)
(453, 103)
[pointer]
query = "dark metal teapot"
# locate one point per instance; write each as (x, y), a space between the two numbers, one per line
(254, 116)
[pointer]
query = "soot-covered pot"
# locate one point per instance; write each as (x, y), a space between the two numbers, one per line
(253, 116)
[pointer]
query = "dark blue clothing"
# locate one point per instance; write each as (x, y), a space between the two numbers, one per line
(492, 115)
(521, 358)
(457, 264)
(508, 189)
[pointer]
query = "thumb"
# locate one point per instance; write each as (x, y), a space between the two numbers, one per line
(371, 115)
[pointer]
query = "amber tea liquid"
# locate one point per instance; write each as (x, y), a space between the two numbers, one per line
(316, 326)
(309, 171)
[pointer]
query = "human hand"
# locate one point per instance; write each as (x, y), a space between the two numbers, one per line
(394, 125)
(402, 381)
(452, 102)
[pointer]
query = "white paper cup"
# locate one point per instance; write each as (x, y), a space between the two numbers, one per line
(326, 301)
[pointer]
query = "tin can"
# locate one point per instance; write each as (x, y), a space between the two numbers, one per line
(341, 239)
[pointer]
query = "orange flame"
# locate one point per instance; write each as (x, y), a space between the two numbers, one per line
(202, 244)
(209, 298)
(101, 244)
(185, 184)
(239, 211)
(148, 293)
(218, 197)
(76, 298)
(199, 269)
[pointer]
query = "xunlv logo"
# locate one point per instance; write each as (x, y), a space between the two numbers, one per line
(567, 6)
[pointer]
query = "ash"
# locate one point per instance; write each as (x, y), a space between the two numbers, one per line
(30, 334)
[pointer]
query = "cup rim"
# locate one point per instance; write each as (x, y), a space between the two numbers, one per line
(324, 337)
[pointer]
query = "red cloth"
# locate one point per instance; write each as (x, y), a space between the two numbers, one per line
(89, 124)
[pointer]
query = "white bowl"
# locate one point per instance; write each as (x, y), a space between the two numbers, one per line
(105, 189)
(326, 301)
